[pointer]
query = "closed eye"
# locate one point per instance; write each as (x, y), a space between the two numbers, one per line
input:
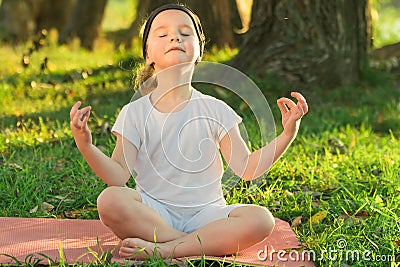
(186, 32)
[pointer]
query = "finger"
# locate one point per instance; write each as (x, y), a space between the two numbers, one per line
(288, 102)
(304, 106)
(74, 109)
(301, 101)
(300, 110)
(85, 119)
(282, 107)
(78, 117)
(298, 96)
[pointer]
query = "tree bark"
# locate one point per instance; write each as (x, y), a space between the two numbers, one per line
(84, 22)
(219, 19)
(143, 10)
(54, 14)
(17, 20)
(307, 42)
(21, 19)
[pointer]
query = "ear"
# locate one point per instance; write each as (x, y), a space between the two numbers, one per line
(148, 60)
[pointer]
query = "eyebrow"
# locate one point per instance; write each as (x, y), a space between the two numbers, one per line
(180, 26)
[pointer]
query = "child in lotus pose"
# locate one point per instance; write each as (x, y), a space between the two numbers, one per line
(171, 138)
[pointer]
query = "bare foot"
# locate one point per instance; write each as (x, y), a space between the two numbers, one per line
(139, 249)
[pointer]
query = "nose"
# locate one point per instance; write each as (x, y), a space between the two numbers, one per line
(176, 39)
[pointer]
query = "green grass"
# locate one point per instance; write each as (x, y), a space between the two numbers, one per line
(358, 189)
(40, 163)
(119, 14)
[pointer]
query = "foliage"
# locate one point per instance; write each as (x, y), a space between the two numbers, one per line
(126, 11)
(386, 22)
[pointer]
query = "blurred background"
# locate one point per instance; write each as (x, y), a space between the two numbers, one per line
(343, 55)
(305, 42)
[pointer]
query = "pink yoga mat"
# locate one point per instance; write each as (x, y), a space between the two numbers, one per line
(84, 241)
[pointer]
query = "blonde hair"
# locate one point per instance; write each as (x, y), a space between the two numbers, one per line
(144, 80)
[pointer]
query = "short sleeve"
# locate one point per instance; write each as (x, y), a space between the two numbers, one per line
(125, 126)
(227, 119)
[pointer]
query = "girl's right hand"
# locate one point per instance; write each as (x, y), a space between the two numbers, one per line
(79, 126)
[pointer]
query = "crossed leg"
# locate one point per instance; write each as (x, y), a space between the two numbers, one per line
(244, 227)
(135, 223)
(122, 210)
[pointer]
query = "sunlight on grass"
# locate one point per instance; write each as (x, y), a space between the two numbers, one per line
(344, 163)
(119, 14)
(386, 23)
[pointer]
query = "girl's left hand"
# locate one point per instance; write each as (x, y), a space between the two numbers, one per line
(292, 113)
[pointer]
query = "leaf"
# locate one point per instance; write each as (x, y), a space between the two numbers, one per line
(353, 141)
(318, 217)
(362, 214)
(47, 207)
(72, 214)
(15, 166)
(344, 216)
(297, 221)
(75, 214)
(34, 210)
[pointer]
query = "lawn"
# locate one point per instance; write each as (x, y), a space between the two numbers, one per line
(337, 184)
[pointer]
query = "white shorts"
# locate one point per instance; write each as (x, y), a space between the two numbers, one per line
(189, 219)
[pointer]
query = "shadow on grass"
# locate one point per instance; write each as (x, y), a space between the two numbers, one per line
(101, 86)
(107, 88)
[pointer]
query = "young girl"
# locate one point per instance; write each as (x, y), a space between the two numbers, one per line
(171, 138)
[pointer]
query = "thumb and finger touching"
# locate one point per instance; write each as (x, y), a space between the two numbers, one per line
(80, 117)
(285, 104)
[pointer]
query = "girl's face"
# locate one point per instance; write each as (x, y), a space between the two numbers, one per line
(172, 40)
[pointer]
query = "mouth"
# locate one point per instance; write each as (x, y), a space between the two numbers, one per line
(175, 48)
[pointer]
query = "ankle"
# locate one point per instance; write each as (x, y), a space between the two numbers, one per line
(165, 250)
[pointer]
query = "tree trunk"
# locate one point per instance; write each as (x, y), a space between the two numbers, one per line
(143, 10)
(84, 22)
(21, 19)
(219, 19)
(54, 14)
(17, 20)
(307, 42)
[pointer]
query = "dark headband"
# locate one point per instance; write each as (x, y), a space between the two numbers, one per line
(192, 15)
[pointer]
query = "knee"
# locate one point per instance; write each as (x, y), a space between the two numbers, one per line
(110, 203)
(106, 197)
(105, 201)
(261, 222)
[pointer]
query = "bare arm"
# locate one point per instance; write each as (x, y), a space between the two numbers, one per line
(114, 171)
(251, 165)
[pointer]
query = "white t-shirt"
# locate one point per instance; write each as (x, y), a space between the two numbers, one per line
(178, 160)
